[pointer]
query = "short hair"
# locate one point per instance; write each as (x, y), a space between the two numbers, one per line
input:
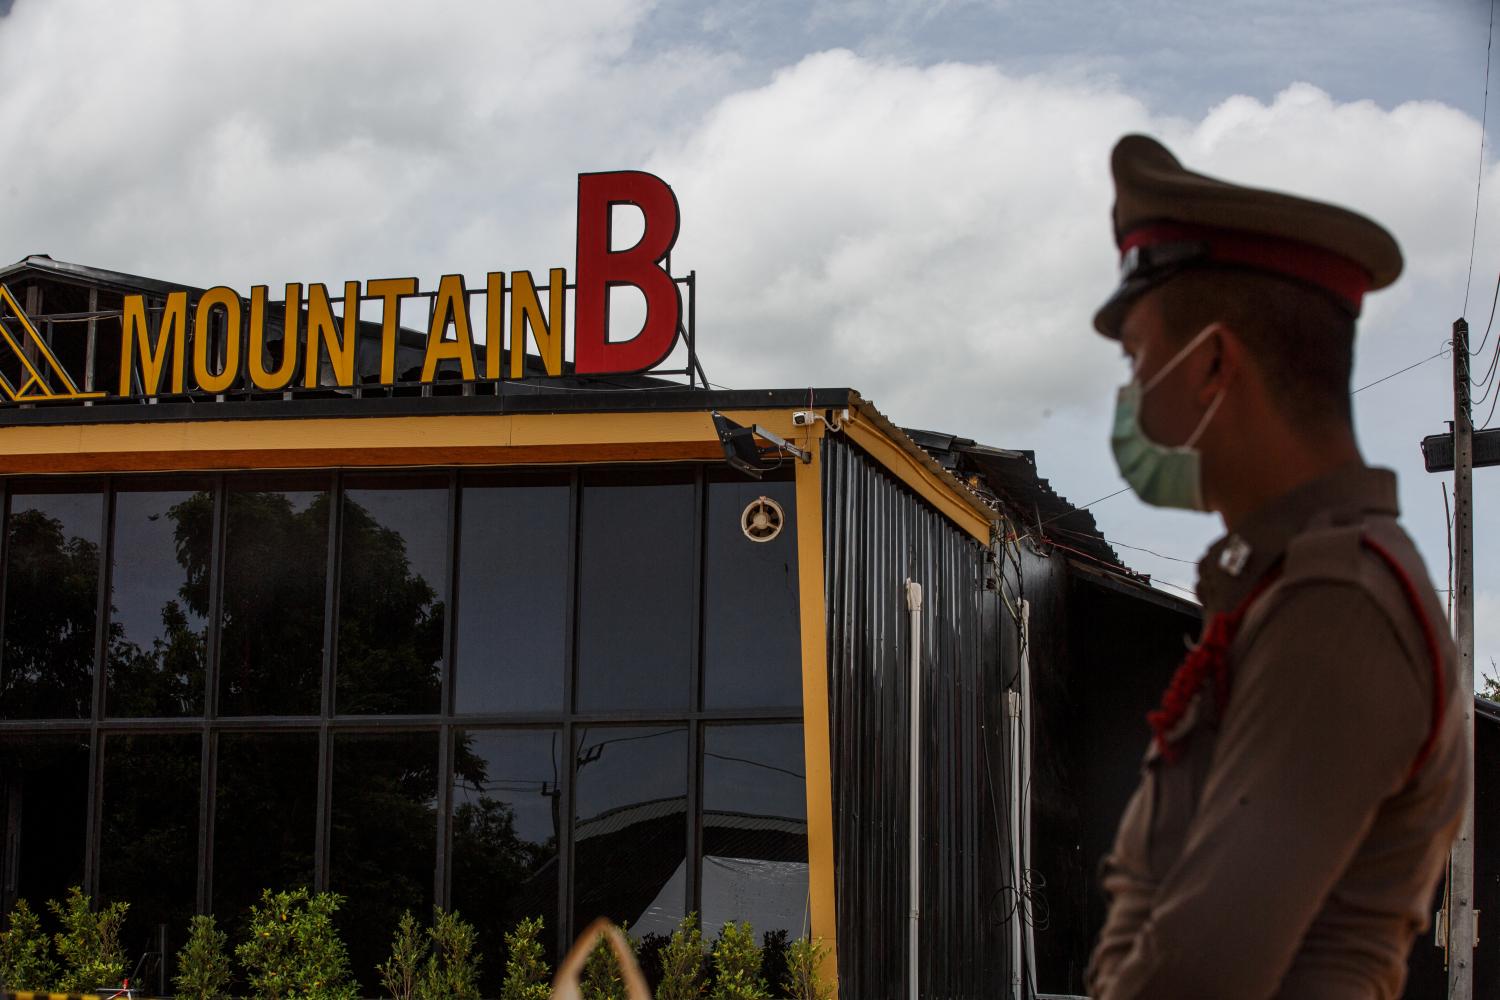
(1301, 338)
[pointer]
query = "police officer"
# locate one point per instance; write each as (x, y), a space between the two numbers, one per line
(1307, 769)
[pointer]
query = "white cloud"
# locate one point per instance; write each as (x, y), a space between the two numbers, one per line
(935, 235)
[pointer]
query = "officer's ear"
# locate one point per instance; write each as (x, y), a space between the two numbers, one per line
(1228, 359)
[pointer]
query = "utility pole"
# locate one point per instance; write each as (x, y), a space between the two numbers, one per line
(1460, 921)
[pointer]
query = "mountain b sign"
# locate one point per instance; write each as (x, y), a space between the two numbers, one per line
(218, 341)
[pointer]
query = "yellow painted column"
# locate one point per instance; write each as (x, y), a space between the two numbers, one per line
(815, 708)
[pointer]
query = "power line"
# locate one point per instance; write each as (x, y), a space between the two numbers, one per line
(1091, 503)
(1403, 371)
(1479, 184)
(1496, 298)
(1125, 545)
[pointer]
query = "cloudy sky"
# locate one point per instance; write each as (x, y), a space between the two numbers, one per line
(907, 198)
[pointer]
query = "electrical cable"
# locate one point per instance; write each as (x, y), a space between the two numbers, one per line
(1091, 503)
(1480, 349)
(1491, 415)
(1488, 380)
(1403, 371)
(1125, 545)
(1479, 184)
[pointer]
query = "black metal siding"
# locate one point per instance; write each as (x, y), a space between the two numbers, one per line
(877, 535)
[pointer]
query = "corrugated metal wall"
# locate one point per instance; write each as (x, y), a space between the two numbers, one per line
(878, 534)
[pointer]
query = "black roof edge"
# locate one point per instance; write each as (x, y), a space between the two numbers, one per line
(518, 398)
(1100, 577)
(1486, 709)
(95, 275)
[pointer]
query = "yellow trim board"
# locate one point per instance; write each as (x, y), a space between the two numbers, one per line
(362, 442)
(816, 737)
(929, 483)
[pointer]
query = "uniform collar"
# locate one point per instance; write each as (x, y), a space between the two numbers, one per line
(1236, 562)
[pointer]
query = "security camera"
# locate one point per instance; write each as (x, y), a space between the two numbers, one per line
(804, 418)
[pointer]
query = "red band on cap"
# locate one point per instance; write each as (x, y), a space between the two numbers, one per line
(1325, 269)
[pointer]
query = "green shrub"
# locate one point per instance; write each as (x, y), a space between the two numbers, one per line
(89, 943)
(452, 971)
(526, 973)
(398, 974)
(737, 965)
(682, 962)
(804, 980)
(294, 950)
(773, 957)
(25, 960)
(202, 964)
(602, 979)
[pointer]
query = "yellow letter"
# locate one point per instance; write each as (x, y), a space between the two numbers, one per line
(281, 377)
(171, 336)
(390, 291)
(452, 305)
(526, 311)
(321, 329)
(217, 298)
(494, 319)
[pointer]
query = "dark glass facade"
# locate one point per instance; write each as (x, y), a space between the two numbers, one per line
(564, 693)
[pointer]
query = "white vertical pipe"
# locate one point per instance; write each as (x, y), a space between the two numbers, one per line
(914, 921)
(1025, 831)
(1013, 707)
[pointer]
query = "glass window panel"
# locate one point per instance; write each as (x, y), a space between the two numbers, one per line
(506, 816)
(159, 601)
(265, 818)
(148, 853)
(44, 794)
(275, 570)
(513, 578)
(383, 838)
(630, 832)
(635, 595)
(752, 637)
(51, 603)
(754, 828)
(392, 580)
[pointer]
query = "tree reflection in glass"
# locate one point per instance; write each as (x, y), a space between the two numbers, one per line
(392, 575)
(265, 818)
(159, 602)
(45, 782)
(149, 833)
(51, 602)
(507, 804)
(630, 832)
(275, 571)
(383, 837)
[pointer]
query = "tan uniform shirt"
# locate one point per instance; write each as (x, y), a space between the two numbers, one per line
(1288, 853)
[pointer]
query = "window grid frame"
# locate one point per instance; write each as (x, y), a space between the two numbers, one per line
(442, 725)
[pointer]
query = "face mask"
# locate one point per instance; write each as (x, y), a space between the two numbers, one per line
(1159, 475)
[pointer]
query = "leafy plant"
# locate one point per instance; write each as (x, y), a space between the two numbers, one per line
(398, 974)
(202, 964)
(452, 970)
(89, 943)
(526, 973)
(804, 980)
(773, 956)
(25, 960)
(294, 952)
(602, 979)
(682, 962)
(737, 965)
(648, 957)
